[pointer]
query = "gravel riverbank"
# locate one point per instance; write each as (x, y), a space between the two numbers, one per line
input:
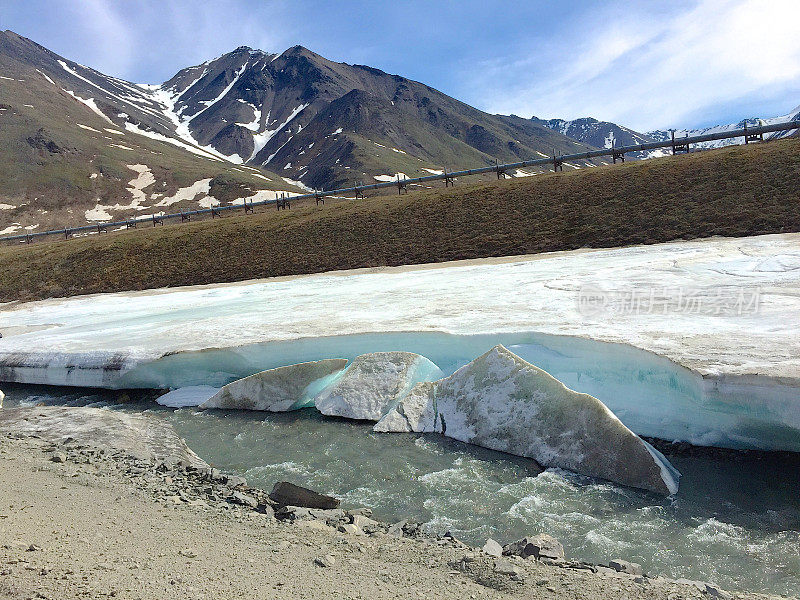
(97, 520)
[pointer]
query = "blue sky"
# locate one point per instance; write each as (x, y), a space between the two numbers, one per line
(643, 64)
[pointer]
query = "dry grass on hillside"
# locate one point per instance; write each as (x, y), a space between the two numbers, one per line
(735, 191)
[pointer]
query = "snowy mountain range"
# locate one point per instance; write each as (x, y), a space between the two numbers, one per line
(242, 123)
(604, 134)
(270, 110)
(78, 145)
(794, 115)
(329, 124)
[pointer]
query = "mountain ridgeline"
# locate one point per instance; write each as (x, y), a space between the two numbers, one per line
(329, 124)
(78, 146)
(604, 134)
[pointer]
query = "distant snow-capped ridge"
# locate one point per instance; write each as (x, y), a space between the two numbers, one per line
(794, 115)
(602, 134)
(605, 134)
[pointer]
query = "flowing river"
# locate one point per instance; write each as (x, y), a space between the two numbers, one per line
(735, 520)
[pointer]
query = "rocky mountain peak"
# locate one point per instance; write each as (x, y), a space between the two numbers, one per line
(312, 120)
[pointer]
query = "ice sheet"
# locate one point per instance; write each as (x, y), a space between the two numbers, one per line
(741, 366)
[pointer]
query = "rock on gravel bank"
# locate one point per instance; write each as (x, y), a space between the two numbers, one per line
(79, 520)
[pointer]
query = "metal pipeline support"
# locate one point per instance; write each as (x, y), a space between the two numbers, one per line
(748, 133)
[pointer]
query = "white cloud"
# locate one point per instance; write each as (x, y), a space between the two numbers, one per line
(649, 72)
(111, 41)
(198, 31)
(150, 40)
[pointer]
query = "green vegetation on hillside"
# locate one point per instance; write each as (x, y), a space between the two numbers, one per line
(58, 159)
(735, 191)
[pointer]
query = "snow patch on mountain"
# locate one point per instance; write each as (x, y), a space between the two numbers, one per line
(11, 228)
(665, 135)
(261, 139)
(203, 186)
(135, 101)
(91, 104)
(297, 183)
(194, 149)
(208, 202)
(209, 103)
(98, 213)
(167, 99)
(262, 196)
(395, 177)
(255, 124)
(46, 77)
(274, 154)
(144, 178)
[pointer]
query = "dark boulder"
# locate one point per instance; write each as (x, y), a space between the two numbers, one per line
(540, 546)
(288, 494)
